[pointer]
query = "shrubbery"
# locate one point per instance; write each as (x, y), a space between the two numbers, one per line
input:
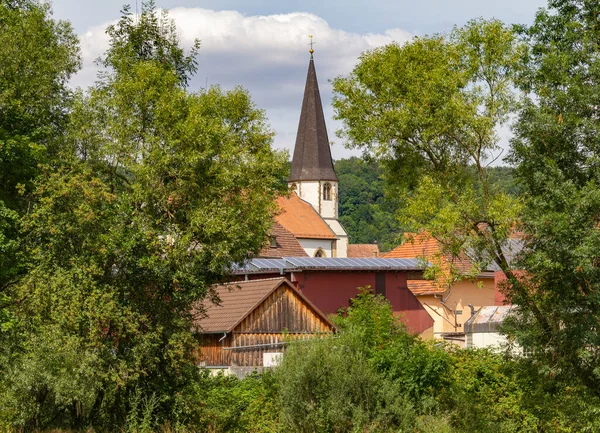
(373, 376)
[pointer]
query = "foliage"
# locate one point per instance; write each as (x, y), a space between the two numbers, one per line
(428, 111)
(369, 212)
(154, 38)
(367, 215)
(37, 57)
(372, 376)
(228, 404)
(556, 152)
(157, 191)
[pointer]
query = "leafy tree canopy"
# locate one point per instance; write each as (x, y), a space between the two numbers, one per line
(156, 193)
(428, 111)
(556, 150)
(37, 57)
(367, 215)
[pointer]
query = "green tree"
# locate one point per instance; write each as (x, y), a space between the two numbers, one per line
(158, 192)
(37, 57)
(556, 150)
(365, 212)
(428, 110)
(372, 376)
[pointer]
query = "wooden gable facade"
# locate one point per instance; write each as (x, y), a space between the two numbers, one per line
(256, 318)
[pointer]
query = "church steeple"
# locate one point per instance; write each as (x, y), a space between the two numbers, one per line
(312, 156)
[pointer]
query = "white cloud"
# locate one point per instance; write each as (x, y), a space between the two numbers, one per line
(266, 54)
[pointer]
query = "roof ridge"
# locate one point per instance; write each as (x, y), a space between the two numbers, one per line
(255, 280)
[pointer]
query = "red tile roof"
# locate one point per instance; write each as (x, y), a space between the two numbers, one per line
(238, 299)
(425, 287)
(286, 245)
(363, 250)
(414, 245)
(301, 219)
(425, 246)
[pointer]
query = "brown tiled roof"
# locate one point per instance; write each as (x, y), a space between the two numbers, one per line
(312, 155)
(424, 287)
(286, 245)
(301, 219)
(363, 250)
(240, 298)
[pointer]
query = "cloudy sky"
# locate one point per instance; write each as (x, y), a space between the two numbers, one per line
(262, 44)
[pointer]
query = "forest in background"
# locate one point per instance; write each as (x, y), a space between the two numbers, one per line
(370, 215)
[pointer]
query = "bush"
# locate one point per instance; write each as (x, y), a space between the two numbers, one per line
(372, 376)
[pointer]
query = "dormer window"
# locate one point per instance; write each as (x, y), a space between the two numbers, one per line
(327, 191)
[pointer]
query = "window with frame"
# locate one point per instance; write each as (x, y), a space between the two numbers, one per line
(320, 253)
(327, 191)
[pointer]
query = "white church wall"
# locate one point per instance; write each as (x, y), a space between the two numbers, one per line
(311, 246)
(309, 191)
(312, 192)
(329, 207)
(342, 242)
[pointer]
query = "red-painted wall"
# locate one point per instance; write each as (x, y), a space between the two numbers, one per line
(331, 290)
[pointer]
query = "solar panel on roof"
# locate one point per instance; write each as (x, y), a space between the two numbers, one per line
(259, 264)
(240, 266)
(268, 263)
(354, 263)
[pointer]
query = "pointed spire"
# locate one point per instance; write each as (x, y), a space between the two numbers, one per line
(312, 155)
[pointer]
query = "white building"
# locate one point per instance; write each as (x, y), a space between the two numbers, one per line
(483, 328)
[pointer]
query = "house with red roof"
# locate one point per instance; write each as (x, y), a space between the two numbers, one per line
(363, 250)
(454, 295)
(282, 243)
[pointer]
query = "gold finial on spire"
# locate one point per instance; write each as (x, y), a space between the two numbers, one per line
(311, 51)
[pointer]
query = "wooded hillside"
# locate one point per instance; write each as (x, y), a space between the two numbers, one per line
(369, 214)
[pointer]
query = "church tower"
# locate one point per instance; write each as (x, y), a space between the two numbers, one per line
(312, 175)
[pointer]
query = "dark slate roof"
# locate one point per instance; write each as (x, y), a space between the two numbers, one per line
(312, 155)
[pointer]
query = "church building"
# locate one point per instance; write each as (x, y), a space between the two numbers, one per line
(311, 211)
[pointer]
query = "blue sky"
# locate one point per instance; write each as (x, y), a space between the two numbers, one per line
(262, 44)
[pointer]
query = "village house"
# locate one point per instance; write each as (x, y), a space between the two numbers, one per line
(250, 326)
(282, 243)
(363, 250)
(449, 301)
